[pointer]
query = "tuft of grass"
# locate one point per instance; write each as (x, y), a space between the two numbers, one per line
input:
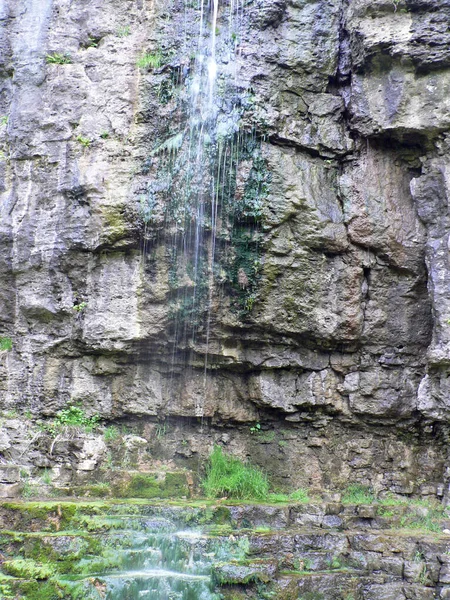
(299, 495)
(3, 120)
(427, 523)
(391, 500)
(111, 433)
(6, 344)
(229, 476)
(57, 58)
(93, 42)
(47, 477)
(84, 141)
(123, 31)
(150, 61)
(104, 135)
(358, 494)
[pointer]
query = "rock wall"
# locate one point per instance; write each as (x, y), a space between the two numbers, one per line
(337, 333)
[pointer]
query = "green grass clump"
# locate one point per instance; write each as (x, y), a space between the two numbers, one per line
(58, 59)
(299, 495)
(152, 61)
(426, 523)
(123, 31)
(72, 416)
(111, 433)
(229, 476)
(6, 343)
(358, 494)
(85, 142)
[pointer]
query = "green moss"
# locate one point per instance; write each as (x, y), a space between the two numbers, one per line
(117, 222)
(96, 490)
(27, 568)
(145, 485)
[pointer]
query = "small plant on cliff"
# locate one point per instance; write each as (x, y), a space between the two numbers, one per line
(6, 344)
(123, 31)
(46, 477)
(84, 141)
(358, 494)
(3, 120)
(80, 307)
(58, 59)
(150, 61)
(255, 429)
(300, 495)
(74, 416)
(111, 433)
(229, 476)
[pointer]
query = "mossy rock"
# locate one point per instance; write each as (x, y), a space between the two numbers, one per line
(27, 568)
(244, 572)
(151, 485)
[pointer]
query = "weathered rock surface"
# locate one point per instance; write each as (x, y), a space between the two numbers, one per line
(343, 342)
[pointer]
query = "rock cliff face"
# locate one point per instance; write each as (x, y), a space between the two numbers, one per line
(326, 319)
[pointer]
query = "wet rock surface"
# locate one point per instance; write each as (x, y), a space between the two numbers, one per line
(339, 346)
(133, 548)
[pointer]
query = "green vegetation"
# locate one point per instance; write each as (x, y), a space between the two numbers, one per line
(429, 522)
(92, 42)
(229, 476)
(84, 141)
(28, 489)
(123, 31)
(27, 568)
(150, 61)
(255, 428)
(3, 120)
(104, 135)
(6, 344)
(299, 495)
(46, 477)
(161, 430)
(80, 307)
(73, 416)
(111, 433)
(358, 494)
(149, 485)
(58, 59)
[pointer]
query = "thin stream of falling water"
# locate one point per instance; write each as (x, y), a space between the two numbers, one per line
(201, 170)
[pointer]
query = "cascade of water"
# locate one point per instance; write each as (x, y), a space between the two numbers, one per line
(152, 559)
(203, 173)
(207, 182)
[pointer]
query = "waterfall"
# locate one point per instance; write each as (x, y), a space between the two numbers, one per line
(206, 186)
(150, 558)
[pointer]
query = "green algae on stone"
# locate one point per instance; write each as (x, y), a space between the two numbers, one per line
(150, 485)
(27, 568)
